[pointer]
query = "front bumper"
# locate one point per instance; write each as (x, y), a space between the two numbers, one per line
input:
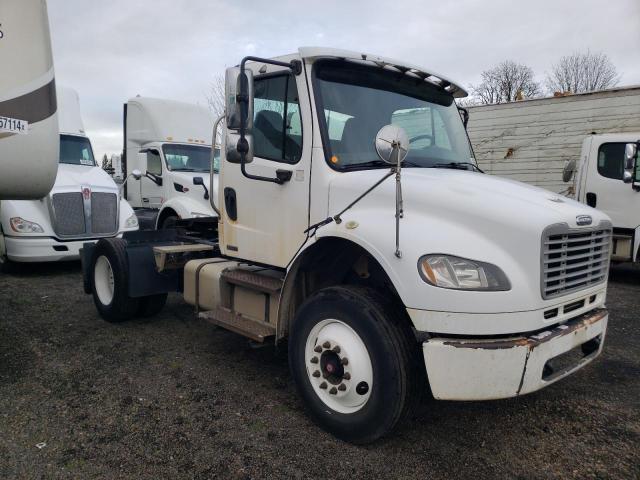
(485, 369)
(43, 249)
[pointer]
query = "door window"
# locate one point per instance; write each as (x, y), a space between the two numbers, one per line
(611, 160)
(277, 126)
(154, 164)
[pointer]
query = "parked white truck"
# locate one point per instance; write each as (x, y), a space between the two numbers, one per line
(170, 143)
(84, 204)
(370, 241)
(574, 145)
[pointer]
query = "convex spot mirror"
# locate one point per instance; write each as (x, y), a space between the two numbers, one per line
(233, 147)
(568, 171)
(392, 144)
(137, 174)
(236, 106)
(630, 154)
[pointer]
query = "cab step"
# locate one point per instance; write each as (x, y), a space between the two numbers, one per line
(266, 281)
(236, 322)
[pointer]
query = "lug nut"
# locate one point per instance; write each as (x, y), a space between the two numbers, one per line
(314, 360)
(316, 373)
(333, 391)
(326, 345)
(344, 361)
(342, 387)
(323, 385)
(336, 349)
(346, 376)
(318, 349)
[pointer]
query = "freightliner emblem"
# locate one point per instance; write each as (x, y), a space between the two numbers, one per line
(584, 220)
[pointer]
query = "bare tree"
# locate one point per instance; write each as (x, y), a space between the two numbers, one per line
(215, 98)
(507, 82)
(582, 72)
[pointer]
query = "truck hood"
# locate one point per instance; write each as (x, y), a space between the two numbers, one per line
(463, 196)
(74, 176)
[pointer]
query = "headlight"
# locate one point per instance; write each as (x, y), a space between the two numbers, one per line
(457, 273)
(131, 222)
(21, 225)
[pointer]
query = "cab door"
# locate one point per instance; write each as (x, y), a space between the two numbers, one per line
(262, 221)
(604, 188)
(151, 183)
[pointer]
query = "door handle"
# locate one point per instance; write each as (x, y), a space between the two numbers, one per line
(283, 175)
(231, 203)
(145, 200)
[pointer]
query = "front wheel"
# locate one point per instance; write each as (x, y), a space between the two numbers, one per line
(354, 362)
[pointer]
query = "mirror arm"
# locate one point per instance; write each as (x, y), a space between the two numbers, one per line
(243, 146)
(212, 200)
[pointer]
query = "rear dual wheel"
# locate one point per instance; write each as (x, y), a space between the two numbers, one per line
(110, 285)
(355, 363)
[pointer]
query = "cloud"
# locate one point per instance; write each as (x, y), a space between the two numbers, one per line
(111, 51)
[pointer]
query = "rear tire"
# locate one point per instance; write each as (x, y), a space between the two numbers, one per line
(110, 281)
(151, 305)
(366, 397)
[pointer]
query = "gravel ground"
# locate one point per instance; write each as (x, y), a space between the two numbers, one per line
(172, 397)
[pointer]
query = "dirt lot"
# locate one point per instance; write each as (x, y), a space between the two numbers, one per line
(172, 397)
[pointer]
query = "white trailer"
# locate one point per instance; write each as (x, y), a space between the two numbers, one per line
(28, 110)
(84, 203)
(170, 143)
(386, 259)
(541, 141)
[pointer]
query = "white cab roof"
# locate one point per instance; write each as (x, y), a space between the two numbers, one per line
(161, 120)
(69, 117)
(384, 62)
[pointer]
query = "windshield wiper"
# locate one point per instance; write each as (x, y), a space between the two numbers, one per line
(188, 170)
(458, 166)
(376, 164)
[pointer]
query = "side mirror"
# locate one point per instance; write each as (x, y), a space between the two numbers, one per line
(198, 181)
(568, 171)
(233, 147)
(392, 144)
(137, 174)
(630, 154)
(238, 97)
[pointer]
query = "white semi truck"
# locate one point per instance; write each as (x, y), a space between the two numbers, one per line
(373, 245)
(574, 145)
(170, 143)
(84, 204)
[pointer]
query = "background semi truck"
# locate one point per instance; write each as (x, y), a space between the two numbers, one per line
(84, 203)
(385, 258)
(28, 110)
(170, 143)
(574, 145)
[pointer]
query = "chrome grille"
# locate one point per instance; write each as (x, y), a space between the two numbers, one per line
(574, 259)
(69, 214)
(104, 213)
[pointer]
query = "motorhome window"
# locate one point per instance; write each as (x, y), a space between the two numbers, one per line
(358, 100)
(611, 160)
(187, 158)
(277, 125)
(154, 164)
(76, 151)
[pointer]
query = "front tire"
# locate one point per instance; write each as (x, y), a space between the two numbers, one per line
(110, 281)
(354, 362)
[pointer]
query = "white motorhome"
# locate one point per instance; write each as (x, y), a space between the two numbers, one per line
(84, 204)
(354, 223)
(170, 143)
(545, 141)
(28, 109)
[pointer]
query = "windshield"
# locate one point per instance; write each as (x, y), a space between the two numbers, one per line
(359, 100)
(188, 158)
(76, 151)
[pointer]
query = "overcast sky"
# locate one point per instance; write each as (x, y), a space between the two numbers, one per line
(112, 50)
